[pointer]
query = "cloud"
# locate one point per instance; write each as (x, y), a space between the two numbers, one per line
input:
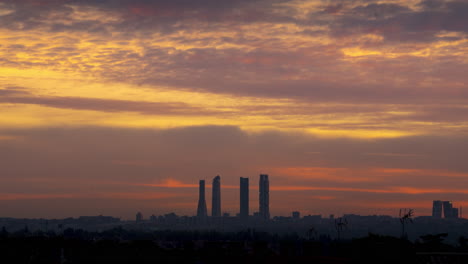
(333, 9)
(49, 107)
(432, 4)
(369, 51)
(398, 23)
(162, 16)
(170, 183)
(104, 105)
(114, 196)
(13, 91)
(379, 11)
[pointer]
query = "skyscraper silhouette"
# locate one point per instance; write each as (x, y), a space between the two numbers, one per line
(446, 207)
(244, 197)
(264, 199)
(437, 209)
(216, 197)
(449, 211)
(201, 211)
(139, 217)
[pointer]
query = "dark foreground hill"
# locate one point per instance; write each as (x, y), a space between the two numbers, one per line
(249, 246)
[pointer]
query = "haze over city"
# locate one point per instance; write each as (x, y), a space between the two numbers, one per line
(112, 107)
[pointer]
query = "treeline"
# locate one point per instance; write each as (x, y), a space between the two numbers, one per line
(250, 246)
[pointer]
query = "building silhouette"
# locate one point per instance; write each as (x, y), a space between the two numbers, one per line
(216, 197)
(437, 209)
(446, 207)
(449, 210)
(244, 198)
(202, 211)
(264, 199)
(139, 217)
(296, 215)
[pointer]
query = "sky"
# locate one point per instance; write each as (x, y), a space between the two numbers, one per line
(117, 106)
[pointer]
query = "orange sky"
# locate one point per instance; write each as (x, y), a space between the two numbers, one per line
(118, 106)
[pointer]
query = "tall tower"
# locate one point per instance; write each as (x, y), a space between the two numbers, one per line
(201, 211)
(244, 197)
(437, 209)
(264, 200)
(216, 197)
(448, 209)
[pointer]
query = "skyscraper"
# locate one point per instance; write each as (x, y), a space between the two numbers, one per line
(448, 209)
(445, 206)
(216, 197)
(437, 209)
(244, 197)
(139, 217)
(201, 211)
(264, 199)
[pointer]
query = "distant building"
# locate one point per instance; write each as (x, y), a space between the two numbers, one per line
(448, 209)
(313, 218)
(153, 218)
(264, 197)
(244, 198)
(201, 210)
(437, 209)
(139, 217)
(216, 197)
(296, 215)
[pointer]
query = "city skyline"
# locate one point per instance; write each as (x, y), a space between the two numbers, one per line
(440, 209)
(113, 107)
(264, 198)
